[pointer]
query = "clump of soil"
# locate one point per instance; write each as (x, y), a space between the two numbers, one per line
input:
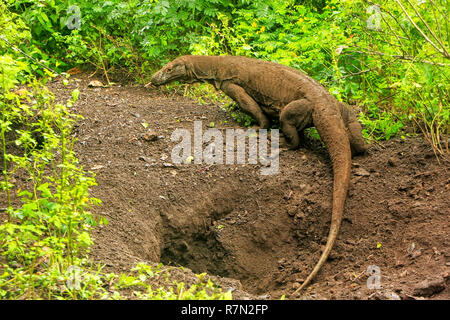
(265, 231)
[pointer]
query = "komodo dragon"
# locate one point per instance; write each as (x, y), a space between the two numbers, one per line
(266, 89)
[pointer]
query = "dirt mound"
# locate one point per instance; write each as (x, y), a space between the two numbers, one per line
(266, 231)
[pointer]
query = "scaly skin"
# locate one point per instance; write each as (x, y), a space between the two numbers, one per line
(268, 90)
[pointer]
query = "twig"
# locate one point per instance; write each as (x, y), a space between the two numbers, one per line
(398, 23)
(429, 29)
(403, 57)
(259, 207)
(443, 15)
(444, 53)
(437, 22)
(387, 97)
(26, 55)
(393, 31)
(426, 134)
(357, 276)
(387, 34)
(365, 71)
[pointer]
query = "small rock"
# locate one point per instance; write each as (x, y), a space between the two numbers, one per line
(361, 172)
(334, 256)
(392, 162)
(436, 251)
(399, 263)
(297, 266)
(403, 274)
(428, 288)
(300, 215)
(386, 295)
(354, 286)
(292, 211)
(392, 296)
(405, 296)
(98, 167)
(447, 278)
(415, 254)
(150, 136)
(95, 83)
(142, 158)
(168, 165)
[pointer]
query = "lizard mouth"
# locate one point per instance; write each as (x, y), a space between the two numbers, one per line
(156, 80)
(159, 79)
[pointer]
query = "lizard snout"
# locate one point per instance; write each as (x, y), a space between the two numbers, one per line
(157, 79)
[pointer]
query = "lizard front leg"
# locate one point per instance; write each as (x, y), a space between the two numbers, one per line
(246, 102)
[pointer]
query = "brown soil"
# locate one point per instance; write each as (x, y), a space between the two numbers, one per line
(266, 231)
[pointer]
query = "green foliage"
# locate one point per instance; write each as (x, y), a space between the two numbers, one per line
(45, 239)
(237, 114)
(50, 230)
(384, 126)
(135, 36)
(403, 72)
(386, 56)
(203, 289)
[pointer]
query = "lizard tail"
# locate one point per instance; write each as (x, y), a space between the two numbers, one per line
(331, 129)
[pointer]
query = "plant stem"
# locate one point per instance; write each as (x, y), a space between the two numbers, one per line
(3, 137)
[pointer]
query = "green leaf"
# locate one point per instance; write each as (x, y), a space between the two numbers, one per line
(75, 95)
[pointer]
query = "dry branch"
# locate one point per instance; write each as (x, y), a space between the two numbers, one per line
(443, 52)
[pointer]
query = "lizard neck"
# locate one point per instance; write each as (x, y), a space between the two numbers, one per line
(203, 68)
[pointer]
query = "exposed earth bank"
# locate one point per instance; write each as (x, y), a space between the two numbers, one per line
(265, 231)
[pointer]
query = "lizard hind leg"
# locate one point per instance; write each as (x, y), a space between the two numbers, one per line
(357, 143)
(295, 117)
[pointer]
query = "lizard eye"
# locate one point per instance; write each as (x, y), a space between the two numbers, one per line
(169, 69)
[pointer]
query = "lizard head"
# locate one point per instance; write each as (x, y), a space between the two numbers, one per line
(174, 70)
